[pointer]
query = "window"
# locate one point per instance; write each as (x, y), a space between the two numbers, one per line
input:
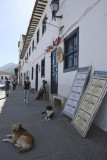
(29, 51)
(1, 77)
(27, 56)
(33, 45)
(32, 73)
(44, 25)
(43, 67)
(71, 44)
(37, 36)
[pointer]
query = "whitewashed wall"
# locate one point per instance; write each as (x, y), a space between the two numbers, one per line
(4, 76)
(20, 70)
(91, 18)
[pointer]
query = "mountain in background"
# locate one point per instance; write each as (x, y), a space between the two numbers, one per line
(9, 68)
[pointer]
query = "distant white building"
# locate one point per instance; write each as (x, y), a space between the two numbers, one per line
(3, 76)
(61, 40)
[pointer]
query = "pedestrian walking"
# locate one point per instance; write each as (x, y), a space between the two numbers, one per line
(7, 87)
(26, 88)
(14, 83)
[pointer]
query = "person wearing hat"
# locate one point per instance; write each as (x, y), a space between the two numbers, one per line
(41, 90)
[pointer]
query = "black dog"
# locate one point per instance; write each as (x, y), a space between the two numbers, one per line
(48, 112)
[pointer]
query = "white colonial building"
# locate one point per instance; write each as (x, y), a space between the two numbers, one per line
(61, 39)
(3, 76)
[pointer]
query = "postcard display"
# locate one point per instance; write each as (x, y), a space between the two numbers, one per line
(77, 89)
(90, 102)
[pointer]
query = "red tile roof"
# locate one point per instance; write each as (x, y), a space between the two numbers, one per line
(4, 73)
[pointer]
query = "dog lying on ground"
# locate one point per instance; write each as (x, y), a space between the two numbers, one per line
(22, 139)
(48, 112)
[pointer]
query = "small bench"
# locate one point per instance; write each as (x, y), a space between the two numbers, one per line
(32, 90)
(45, 96)
(59, 100)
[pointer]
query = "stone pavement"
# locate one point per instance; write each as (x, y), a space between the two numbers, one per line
(54, 140)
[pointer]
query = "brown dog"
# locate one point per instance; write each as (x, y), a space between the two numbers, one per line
(21, 138)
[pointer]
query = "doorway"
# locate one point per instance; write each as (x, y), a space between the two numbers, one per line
(54, 73)
(36, 83)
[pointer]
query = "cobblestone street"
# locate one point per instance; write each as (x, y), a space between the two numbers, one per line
(54, 140)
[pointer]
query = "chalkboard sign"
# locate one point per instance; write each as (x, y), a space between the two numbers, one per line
(90, 102)
(77, 89)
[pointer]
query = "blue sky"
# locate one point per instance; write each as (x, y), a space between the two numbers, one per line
(14, 20)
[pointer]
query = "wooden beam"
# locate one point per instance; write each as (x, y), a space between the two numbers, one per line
(37, 15)
(41, 7)
(36, 18)
(43, 1)
(39, 12)
(39, 4)
(34, 25)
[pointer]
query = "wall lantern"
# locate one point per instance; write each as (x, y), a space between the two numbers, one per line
(54, 8)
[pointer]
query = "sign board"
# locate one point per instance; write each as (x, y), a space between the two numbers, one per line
(76, 91)
(90, 102)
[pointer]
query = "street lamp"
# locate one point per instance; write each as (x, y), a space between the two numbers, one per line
(54, 8)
